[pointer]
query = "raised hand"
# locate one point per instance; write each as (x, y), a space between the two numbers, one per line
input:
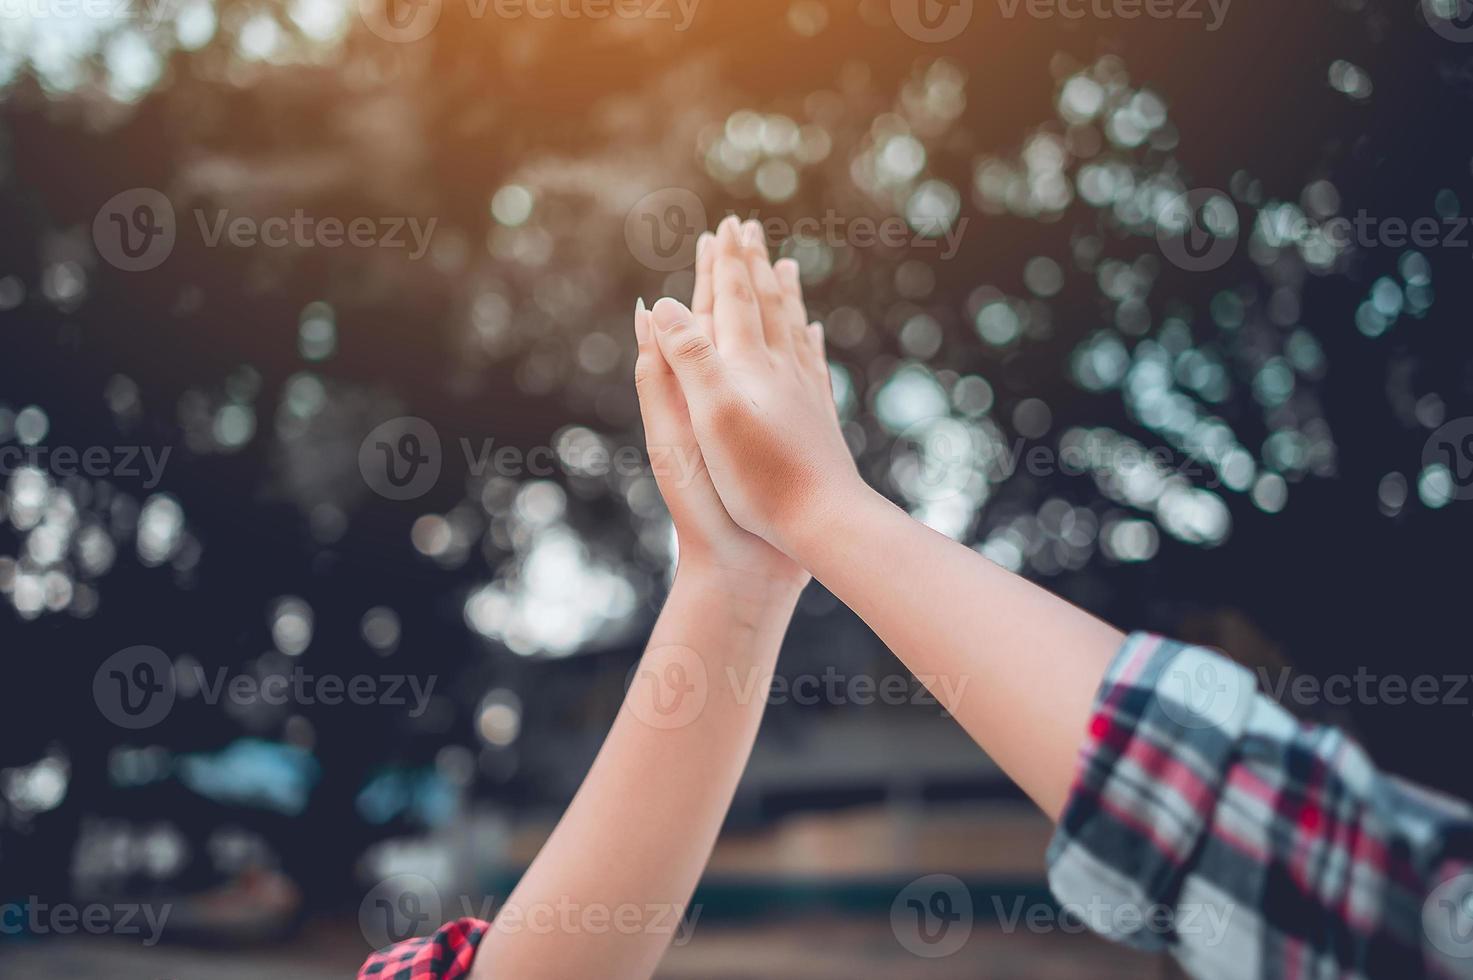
(708, 536)
(756, 383)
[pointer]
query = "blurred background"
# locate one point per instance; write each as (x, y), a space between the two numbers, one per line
(249, 243)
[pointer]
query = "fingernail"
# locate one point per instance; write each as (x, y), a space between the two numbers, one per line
(669, 314)
(752, 234)
(703, 242)
(641, 322)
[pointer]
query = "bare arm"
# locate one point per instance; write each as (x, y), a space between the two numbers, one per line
(604, 895)
(1016, 665)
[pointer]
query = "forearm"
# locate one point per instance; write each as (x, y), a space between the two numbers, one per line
(640, 829)
(1016, 665)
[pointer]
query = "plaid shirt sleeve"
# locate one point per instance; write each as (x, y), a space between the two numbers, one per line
(1207, 821)
(447, 955)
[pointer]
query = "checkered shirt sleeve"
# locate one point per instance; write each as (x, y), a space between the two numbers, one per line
(1205, 820)
(447, 955)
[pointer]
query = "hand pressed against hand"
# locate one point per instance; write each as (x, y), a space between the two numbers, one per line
(757, 387)
(709, 538)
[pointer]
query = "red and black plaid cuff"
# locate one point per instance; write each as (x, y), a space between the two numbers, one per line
(446, 955)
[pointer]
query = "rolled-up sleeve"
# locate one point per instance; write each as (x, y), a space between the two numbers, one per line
(1207, 821)
(446, 955)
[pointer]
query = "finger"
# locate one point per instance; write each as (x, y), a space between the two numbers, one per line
(790, 277)
(703, 302)
(815, 344)
(795, 311)
(692, 356)
(650, 362)
(737, 316)
(777, 330)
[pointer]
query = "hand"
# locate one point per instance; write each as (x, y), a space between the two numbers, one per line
(710, 541)
(757, 387)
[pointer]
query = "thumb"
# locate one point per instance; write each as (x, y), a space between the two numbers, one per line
(691, 355)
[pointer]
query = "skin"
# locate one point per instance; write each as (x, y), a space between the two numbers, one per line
(639, 832)
(738, 385)
(1017, 666)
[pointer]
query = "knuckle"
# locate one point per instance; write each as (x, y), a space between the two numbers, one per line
(694, 349)
(741, 292)
(771, 298)
(644, 370)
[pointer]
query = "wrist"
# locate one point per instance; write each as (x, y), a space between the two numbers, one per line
(748, 588)
(833, 509)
